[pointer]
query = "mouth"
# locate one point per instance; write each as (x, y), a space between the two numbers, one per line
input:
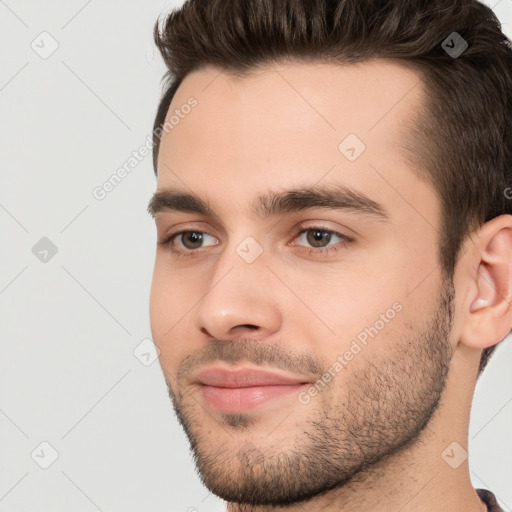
(231, 391)
(233, 400)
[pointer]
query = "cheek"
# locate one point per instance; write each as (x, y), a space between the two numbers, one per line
(162, 322)
(171, 309)
(363, 301)
(344, 298)
(157, 311)
(157, 301)
(166, 305)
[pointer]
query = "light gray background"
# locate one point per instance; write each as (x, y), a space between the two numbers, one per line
(69, 325)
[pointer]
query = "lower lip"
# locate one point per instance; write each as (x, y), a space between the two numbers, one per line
(244, 399)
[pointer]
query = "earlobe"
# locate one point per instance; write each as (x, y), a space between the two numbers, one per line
(489, 309)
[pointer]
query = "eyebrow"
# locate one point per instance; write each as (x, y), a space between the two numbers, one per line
(337, 197)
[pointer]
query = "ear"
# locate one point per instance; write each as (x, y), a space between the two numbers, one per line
(487, 304)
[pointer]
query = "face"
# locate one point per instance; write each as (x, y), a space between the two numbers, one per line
(306, 254)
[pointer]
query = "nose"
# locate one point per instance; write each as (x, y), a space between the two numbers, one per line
(239, 300)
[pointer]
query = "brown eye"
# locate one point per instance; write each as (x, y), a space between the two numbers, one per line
(317, 240)
(318, 237)
(188, 242)
(191, 239)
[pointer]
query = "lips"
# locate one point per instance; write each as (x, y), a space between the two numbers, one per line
(245, 377)
(244, 389)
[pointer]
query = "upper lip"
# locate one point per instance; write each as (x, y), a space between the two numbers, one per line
(244, 377)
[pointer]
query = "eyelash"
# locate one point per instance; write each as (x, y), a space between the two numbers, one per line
(187, 253)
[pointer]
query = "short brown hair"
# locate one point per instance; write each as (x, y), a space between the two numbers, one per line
(461, 143)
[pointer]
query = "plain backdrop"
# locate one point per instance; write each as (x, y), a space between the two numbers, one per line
(77, 392)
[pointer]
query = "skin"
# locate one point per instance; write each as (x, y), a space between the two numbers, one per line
(374, 438)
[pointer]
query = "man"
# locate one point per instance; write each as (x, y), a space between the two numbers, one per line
(334, 261)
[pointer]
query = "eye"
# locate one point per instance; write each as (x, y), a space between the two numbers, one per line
(320, 239)
(188, 240)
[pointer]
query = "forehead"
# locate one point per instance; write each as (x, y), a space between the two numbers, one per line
(372, 99)
(293, 124)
